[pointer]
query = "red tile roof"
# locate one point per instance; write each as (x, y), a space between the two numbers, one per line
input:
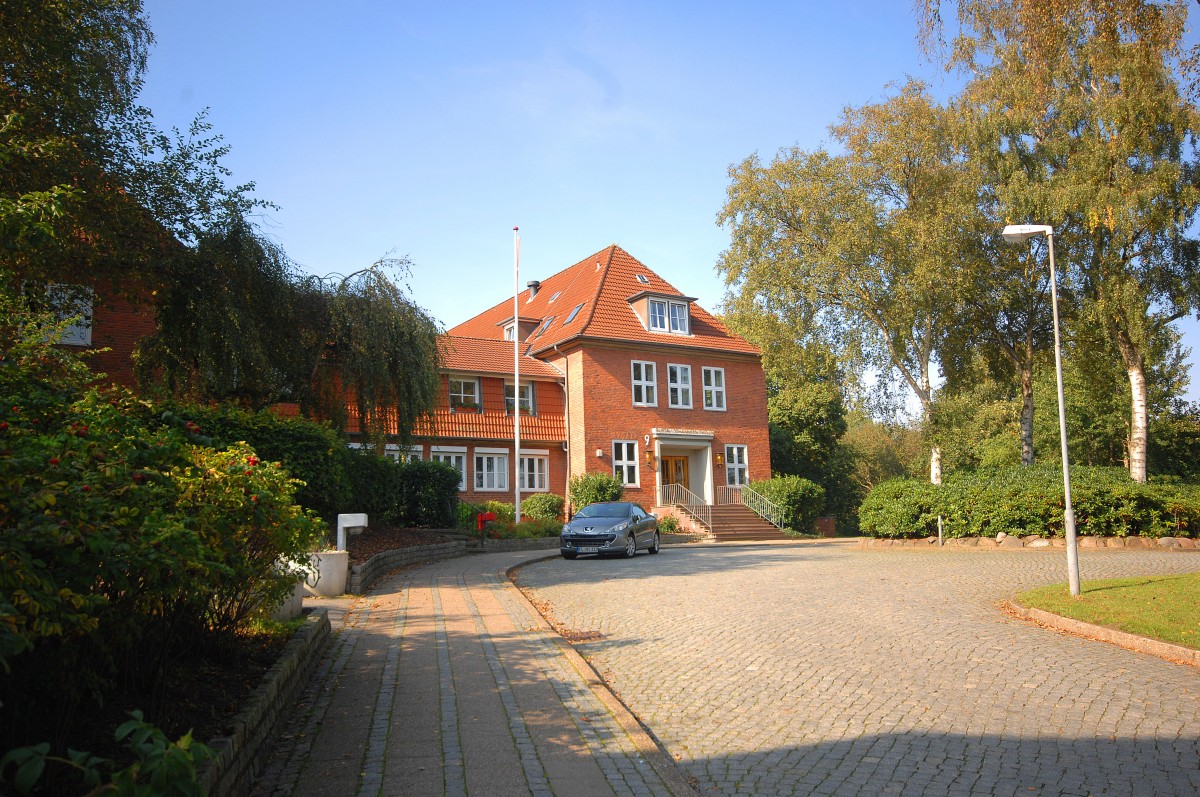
(479, 356)
(603, 285)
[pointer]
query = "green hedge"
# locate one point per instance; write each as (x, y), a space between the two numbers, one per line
(801, 500)
(1029, 501)
(413, 493)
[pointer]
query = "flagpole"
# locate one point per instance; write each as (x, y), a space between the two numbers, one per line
(517, 373)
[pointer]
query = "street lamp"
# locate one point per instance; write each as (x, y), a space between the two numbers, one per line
(1015, 234)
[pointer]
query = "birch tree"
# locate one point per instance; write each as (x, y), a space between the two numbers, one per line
(1095, 99)
(860, 245)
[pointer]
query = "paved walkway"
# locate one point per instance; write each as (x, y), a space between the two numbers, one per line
(828, 670)
(444, 680)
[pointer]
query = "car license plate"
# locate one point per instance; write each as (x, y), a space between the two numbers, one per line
(589, 549)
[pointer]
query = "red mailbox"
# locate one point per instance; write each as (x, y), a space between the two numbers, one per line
(483, 518)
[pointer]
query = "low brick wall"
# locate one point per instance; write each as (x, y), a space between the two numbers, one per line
(253, 732)
(536, 544)
(362, 576)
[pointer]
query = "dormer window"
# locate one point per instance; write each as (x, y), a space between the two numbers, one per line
(658, 312)
(510, 331)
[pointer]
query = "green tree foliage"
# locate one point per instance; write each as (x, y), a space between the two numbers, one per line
(860, 246)
(1089, 102)
(402, 494)
(124, 541)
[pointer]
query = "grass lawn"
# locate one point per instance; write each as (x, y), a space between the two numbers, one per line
(1160, 607)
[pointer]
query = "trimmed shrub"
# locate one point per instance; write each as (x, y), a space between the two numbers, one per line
(542, 506)
(801, 500)
(1026, 501)
(533, 528)
(312, 452)
(504, 512)
(668, 524)
(588, 488)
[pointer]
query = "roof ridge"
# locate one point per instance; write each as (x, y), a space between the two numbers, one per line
(599, 289)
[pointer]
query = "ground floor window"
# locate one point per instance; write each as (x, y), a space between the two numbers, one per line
(625, 464)
(735, 466)
(491, 470)
(533, 473)
(456, 459)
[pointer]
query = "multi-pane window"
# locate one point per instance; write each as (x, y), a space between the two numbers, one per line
(412, 454)
(679, 386)
(714, 388)
(72, 301)
(679, 318)
(456, 459)
(491, 470)
(464, 394)
(526, 398)
(645, 384)
(658, 314)
(510, 332)
(735, 465)
(533, 473)
(625, 464)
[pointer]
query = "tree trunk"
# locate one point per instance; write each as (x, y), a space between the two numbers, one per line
(1026, 416)
(1138, 434)
(935, 465)
(1139, 421)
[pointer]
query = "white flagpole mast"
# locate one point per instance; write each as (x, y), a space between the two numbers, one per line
(517, 372)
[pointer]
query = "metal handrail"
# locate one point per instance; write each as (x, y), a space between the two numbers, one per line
(764, 507)
(685, 499)
(753, 500)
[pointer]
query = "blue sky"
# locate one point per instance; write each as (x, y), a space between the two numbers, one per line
(429, 130)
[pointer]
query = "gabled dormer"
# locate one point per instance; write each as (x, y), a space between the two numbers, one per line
(524, 325)
(668, 313)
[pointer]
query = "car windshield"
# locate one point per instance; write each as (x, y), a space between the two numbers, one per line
(604, 510)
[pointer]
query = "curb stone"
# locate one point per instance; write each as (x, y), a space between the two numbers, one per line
(252, 733)
(1135, 642)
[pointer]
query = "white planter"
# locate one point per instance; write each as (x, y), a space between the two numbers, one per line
(327, 574)
(293, 605)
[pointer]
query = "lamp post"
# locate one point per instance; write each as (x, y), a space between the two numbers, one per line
(1019, 233)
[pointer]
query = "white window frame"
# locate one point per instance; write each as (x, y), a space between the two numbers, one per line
(624, 468)
(510, 332)
(498, 473)
(536, 463)
(714, 394)
(682, 327)
(455, 457)
(679, 386)
(736, 467)
(67, 301)
(391, 451)
(527, 398)
(656, 321)
(461, 396)
(647, 382)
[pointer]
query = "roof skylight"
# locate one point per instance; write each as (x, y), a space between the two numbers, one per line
(555, 296)
(642, 278)
(574, 313)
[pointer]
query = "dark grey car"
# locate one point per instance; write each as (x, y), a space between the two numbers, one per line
(610, 527)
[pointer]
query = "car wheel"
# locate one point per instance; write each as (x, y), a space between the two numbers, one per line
(569, 554)
(630, 545)
(655, 546)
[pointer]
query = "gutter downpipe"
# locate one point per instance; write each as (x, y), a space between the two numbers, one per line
(566, 420)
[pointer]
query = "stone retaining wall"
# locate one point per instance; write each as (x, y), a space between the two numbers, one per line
(1006, 541)
(362, 576)
(253, 732)
(535, 544)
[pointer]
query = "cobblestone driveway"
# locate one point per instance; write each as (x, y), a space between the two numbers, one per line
(832, 670)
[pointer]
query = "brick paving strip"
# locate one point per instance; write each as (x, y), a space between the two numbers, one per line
(443, 680)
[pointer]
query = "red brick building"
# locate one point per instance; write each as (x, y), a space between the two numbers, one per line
(620, 373)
